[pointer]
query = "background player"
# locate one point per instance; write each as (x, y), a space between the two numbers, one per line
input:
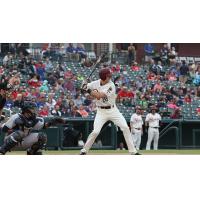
(104, 92)
(19, 131)
(152, 120)
(136, 123)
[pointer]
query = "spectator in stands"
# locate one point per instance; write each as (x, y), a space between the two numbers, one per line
(151, 76)
(198, 111)
(184, 70)
(9, 102)
(48, 66)
(164, 52)
(56, 111)
(81, 51)
(197, 91)
(172, 104)
(131, 54)
(82, 111)
(74, 112)
(69, 85)
(123, 95)
(51, 102)
(44, 87)
(149, 51)
(135, 66)
(196, 80)
(42, 100)
(34, 81)
(15, 80)
(172, 76)
(143, 102)
(172, 55)
(73, 55)
(40, 69)
(44, 112)
(7, 58)
(88, 100)
(187, 99)
(78, 100)
(116, 67)
(158, 87)
(192, 70)
(176, 114)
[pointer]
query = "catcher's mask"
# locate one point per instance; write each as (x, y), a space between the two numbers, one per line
(29, 110)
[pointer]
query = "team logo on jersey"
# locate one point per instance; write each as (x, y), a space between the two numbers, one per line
(109, 90)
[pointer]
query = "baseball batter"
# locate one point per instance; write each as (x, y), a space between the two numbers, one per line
(103, 90)
(136, 123)
(152, 120)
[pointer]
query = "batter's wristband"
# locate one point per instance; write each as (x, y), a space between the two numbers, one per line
(89, 91)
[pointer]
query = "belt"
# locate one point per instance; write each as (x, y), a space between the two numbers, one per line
(154, 127)
(106, 107)
(137, 128)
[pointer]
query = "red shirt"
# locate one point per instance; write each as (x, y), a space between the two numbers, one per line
(34, 83)
(14, 94)
(135, 68)
(130, 94)
(122, 93)
(187, 100)
(37, 65)
(43, 113)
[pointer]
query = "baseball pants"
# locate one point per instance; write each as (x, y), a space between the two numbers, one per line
(153, 135)
(136, 136)
(104, 115)
(27, 141)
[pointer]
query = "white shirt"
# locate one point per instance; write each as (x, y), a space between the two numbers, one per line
(153, 119)
(136, 120)
(108, 89)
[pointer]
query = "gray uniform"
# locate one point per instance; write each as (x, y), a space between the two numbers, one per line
(29, 135)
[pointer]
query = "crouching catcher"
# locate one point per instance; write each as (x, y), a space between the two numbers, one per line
(22, 131)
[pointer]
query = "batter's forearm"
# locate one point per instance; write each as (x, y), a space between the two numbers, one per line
(98, 95)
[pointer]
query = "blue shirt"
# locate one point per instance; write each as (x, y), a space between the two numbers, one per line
(71, 49)
(149, 49)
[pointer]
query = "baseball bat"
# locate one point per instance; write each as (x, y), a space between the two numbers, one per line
(96, 64)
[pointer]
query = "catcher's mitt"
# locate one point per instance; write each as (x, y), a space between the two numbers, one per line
(58, 120)
(55, 121)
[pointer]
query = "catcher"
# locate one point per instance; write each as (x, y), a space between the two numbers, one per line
(21, 131)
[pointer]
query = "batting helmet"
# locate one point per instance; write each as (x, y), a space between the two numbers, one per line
(104, 73)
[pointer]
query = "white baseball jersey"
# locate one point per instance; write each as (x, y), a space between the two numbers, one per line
(136, 120)
(153, 119)
(108, 89)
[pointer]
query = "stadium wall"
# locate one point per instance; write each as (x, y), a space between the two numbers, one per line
(174, 134)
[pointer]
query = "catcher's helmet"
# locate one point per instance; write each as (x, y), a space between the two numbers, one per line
(104, 73)
(29, 106)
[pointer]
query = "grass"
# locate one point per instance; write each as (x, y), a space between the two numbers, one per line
(115, 152)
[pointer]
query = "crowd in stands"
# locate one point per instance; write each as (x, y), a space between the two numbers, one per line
(162, 80)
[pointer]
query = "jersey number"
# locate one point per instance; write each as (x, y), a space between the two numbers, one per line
(105, 99)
